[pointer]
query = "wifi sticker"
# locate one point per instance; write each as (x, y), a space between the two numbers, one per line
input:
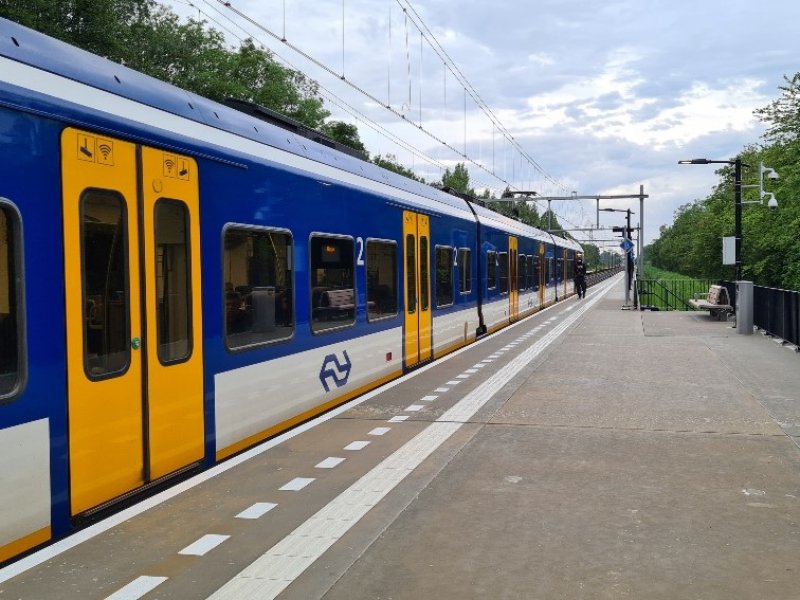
(104, 152)
(170, 166)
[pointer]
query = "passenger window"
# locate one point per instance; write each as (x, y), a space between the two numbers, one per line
(536, 275)
(333, 299)
(444, 276)
(106, 316)
(491, 269)
(173, 281)
(464, 270)
(11, 333)
(381, 279)
(258, 275)
(529, 266)
(502, 259)
(522, 272)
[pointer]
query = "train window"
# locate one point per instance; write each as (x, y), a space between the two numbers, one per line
(259, 293)
(12, 368)
(536, 272)
(491, 269)
(106, 317)
(502, 263)
(173, 281)
(333, 292)
(381, 279)
(531, 282)
(548, 270)
(522, 272)
(424, 276)
(444, 276)
(411, 274)
(464, 270)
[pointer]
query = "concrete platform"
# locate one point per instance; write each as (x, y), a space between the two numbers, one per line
(596, 453)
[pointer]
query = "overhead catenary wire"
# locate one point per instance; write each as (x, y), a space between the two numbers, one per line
(468, 89)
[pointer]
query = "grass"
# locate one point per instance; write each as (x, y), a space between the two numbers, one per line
(666, 290)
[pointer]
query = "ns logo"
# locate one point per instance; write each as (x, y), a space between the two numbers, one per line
(335, 371)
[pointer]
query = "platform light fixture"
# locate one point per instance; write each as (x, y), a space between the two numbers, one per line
(772, 202)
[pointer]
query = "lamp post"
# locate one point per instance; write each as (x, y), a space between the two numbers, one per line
(737, 197)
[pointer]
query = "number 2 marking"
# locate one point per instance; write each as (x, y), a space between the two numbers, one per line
(360, 259)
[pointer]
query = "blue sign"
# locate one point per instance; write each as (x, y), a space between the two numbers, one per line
(333, 369)
(626, 245)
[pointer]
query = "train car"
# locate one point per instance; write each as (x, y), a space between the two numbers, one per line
(168, 264)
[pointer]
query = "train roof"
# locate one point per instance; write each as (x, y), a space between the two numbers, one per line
(29, 47)
(489, 217)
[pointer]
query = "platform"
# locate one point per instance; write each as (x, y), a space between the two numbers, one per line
(586, 452)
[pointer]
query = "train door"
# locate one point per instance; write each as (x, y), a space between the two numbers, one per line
(513, 282)
(416, 250)
(133, 313)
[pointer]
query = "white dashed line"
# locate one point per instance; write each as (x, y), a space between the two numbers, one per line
(462, 376)
(137, 588)
(470, 371)
(442, 390)
(258, 510)
(284, 562)
(380, 430)
(478, 366)
(329, 463)
(454, 382)
(297, 484)
(415, 408)
(358, 445)
(204, 545)
(398, 419)
(429, 398)
(488, 360)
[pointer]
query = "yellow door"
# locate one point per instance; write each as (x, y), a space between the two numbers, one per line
(111, 292)
(416, 253)
(513, 287)
(173, 306)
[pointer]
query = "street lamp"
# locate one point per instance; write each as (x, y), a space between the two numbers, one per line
(737, 197)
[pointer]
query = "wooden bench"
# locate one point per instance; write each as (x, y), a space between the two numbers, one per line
(716, 302)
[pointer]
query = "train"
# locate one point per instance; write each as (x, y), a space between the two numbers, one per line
(182, 279)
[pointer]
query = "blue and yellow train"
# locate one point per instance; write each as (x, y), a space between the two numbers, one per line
(180, 280)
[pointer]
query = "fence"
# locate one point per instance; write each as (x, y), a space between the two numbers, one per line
(670, 294)
(775, 311)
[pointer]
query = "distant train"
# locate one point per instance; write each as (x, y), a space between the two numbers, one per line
(180, 280)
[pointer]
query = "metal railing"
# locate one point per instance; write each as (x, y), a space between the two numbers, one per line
(670, 294)
(777, 312)
(596, 277)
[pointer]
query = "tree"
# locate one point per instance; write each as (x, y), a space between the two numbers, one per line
(457, 179)
(345, 133)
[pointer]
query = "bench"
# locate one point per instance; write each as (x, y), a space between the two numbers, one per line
(716, 302)
(335, 304)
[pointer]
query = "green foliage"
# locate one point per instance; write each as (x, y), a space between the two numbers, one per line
(345, 133)
(692, 245)
(458, 179)
(150, 38)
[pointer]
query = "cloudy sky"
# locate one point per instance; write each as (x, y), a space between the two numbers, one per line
(602, 96)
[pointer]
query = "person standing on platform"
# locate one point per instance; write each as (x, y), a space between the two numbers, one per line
(580, 275)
